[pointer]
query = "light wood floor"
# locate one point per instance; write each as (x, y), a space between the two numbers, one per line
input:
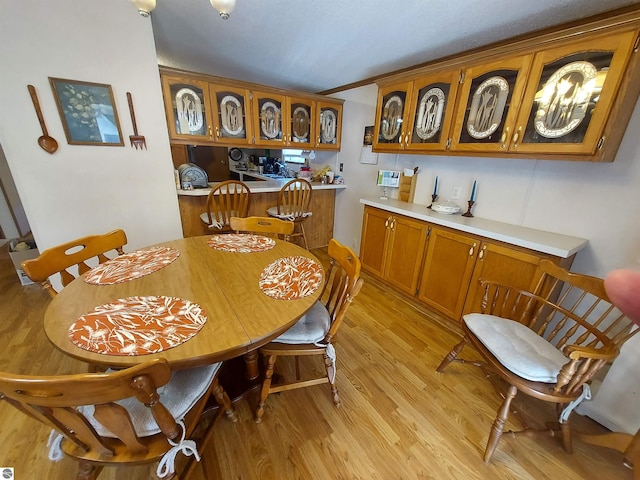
(399, 419)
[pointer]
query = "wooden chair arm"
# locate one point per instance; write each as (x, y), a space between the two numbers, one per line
(576, 352)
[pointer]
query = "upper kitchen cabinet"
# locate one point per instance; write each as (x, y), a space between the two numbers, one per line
(268, 111)
(392, 117)
(432, 107)
(231, 119)
(570, 95)
(565, 93)
(329, 127)
(204, 109)
(488, 106)
(299, 125)
(187, 107)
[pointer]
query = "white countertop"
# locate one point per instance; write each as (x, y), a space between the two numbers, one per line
(260, 186)
(541, 241)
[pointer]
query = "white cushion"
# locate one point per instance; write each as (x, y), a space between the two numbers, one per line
(517, 347)
(273, 212)
(205, 218)
(312, 328)
(182, 392)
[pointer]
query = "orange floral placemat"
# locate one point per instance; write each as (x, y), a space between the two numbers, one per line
(290, 278)
(137, 325)
(131, 265)
(241, 242)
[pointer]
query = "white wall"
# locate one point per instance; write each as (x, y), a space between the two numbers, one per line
(82, 190)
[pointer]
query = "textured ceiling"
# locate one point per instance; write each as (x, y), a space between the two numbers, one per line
(317, 45)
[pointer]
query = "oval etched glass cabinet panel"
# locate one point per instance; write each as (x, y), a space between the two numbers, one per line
(268, 118)
(329, 125)
(298, 123)
(431, 113)
(230, 114)
(187, 108)
(490, 96)
(392, 114)
(571, 93)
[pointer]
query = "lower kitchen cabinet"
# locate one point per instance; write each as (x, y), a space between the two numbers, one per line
(503, 264)
(448, 280)
(447, 270)
(392, 248)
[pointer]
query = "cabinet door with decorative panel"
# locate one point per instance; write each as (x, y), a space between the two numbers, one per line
(570, 94)
(392, 114)
(432, 109)
(268, 118)
(329, 129)
(405, 252)
(373, 244)
(448, 267)
(300, 125)
(231, 118)
(187, 107)
(487, 109)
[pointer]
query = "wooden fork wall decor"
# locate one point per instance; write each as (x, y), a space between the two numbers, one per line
(136, 140)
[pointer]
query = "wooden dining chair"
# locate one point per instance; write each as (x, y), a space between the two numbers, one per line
(293, 203)
(548, 343)
(314, 333)
(69, 260)
(265, 225)
(143, 414)
(231, 198)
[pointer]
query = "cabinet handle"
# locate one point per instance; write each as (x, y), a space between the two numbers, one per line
(481, 254)
(393, 224)
(472, 249)
(210, 131)
(386, 222)
(516, 136)
(503, 140)
(217, 132)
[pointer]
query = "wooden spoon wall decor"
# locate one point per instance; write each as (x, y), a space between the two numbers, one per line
(46, 142)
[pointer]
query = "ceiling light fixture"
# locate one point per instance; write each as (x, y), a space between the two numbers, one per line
(224, 7)
(144, 6)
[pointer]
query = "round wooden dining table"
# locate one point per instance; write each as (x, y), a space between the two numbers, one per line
(240, 317)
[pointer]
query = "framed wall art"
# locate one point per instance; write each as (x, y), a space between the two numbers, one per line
(88, 112)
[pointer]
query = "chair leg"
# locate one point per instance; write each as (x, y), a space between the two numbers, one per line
(451, 356)
(498, 423)
(304, 236)
(567, 444)
(87, 471)
(266, 385)
(328, 364)
(222, 399)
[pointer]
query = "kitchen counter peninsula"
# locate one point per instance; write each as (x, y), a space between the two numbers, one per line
(264, 193)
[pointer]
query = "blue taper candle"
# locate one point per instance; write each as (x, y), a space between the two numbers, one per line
(435, 186)
(473, 191)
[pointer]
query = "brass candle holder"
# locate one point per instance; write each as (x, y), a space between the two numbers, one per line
(433, 200)
(468, 212)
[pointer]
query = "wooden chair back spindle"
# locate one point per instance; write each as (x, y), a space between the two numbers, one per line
(230, 198)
